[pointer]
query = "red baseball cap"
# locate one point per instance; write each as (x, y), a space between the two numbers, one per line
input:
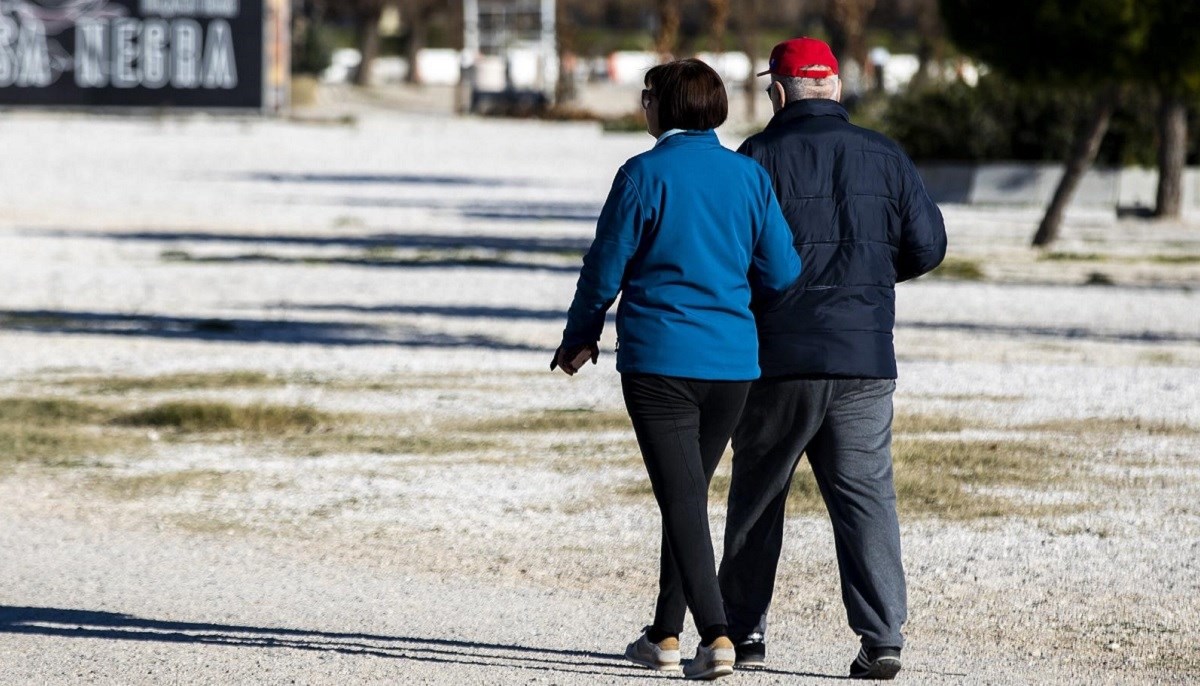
(805, 57)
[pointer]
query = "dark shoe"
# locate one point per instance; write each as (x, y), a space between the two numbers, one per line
(751, 651)
(876, 663)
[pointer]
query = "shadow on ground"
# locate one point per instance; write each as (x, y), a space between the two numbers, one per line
(64, 623)
(1065, 332)
(382, 179)
(517, 210)
(47, 621)
(245, 330)
(456, 311)
(497, 210)
(381, 241)
(503, 263)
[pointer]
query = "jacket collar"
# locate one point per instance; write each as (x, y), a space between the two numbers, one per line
(684, 137)
(804, 109)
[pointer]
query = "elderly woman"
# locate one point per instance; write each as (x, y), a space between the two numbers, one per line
(690, 234)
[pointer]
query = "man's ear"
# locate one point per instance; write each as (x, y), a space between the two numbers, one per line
(837, 95)
(780, 93)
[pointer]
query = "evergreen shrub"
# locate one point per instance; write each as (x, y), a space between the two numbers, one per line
(1000, 120)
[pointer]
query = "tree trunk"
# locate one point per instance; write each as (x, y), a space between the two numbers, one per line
(834, 20)
(366, 30)
(931, 48)
(565, 89)
(719, 16)
(417, 15)
(1172, 153)
(747, 37)
(1083, 153)
(667, 39)
(846, 21)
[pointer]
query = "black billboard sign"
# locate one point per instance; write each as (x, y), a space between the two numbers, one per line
(139, 53)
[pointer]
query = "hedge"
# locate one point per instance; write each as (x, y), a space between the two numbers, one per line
(1002, 120)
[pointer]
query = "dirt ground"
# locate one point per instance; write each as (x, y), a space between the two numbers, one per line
(275, 407)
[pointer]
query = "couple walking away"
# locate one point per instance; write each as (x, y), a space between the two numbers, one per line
(758, 301)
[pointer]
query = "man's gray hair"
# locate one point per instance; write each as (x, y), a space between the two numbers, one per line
(800, 88)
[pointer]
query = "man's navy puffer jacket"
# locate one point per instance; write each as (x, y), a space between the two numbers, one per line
(862, 221)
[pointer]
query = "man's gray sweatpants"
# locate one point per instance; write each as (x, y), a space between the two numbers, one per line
(845, 428)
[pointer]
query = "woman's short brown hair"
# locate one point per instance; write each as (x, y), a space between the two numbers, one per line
(690, 95)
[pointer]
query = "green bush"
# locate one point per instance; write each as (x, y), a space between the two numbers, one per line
(1002, 120)
(311, 50)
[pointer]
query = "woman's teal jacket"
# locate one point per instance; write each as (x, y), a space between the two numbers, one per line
(690, 233)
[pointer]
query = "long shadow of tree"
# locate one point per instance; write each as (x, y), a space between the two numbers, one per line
(463, 311)
(513, 210)
(503, 263)
(382, 179)
(90, 624)
(1064, 332)
(496, 210)
(379, 241)
(66, 623)
(245, 330)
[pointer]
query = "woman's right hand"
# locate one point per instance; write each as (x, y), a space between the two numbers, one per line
(573, 358)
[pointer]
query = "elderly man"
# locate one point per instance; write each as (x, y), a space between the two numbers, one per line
(862, 221)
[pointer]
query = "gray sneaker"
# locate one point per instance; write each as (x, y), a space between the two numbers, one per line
(662, 656)
(712, 662)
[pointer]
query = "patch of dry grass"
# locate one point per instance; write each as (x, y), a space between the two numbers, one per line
(1061, 256)
(1179, 258)
(580, 419)
(61, 432)
(350, 440)
(940, 423)
(920, 423)
(1159, 358)
(61, 446)
(58, 432)
(1114, 425)
(424, 382)
(202, 417)
(949, 479)
(48, 411)
(959, 269)
(187, 381)
(952, 479)
(170, 483)
(1176, 258)
(937, 472)
(248, 379)
(209, 524)
(946, 479)
(969, 397)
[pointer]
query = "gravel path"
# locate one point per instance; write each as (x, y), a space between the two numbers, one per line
(438, 256)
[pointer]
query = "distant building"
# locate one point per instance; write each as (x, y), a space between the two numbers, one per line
(510, 56)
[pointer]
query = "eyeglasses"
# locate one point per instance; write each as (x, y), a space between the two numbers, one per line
(646, 97)
(770, 91)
